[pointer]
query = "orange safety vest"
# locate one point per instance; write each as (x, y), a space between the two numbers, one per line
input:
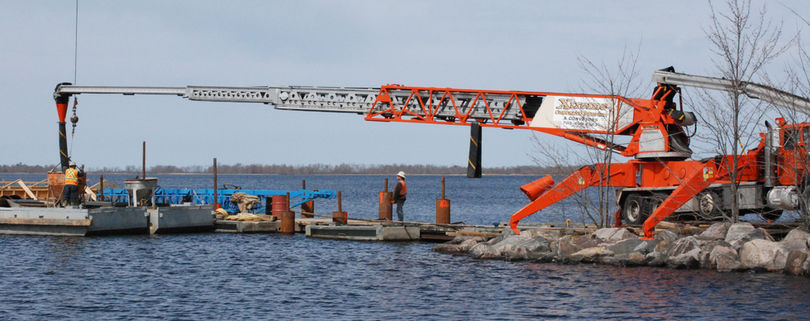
(403, 190)
(72, 176)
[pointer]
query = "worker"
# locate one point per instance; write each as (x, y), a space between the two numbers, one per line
(400, 191)
(70, 194)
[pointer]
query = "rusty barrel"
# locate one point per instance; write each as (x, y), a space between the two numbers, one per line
(340, 218)
(280, 204)
(442, 211)
(308, 209)
(386, 207)
(287, 222)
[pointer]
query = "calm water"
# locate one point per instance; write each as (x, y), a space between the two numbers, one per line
(232, 276)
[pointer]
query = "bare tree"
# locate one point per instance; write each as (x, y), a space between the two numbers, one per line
(743, 43)
(622, 80)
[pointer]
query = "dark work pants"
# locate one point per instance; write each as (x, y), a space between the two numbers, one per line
(70, 195)
(400, 212)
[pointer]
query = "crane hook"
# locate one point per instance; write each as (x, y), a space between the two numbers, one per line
(74, 118)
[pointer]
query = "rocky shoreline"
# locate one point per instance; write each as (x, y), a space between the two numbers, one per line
(723, 247)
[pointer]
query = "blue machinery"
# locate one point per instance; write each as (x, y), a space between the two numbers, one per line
(170, 196)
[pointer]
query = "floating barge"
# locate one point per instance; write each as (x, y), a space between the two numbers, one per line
(30, 208)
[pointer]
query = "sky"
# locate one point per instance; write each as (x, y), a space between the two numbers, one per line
(508, 45)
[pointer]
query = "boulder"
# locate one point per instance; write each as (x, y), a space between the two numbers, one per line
(632, 259)
(504, 234)
(635, 259)
(625, 247)
(740, 233)
(520, 247)
(544, 233)
(655, 258)
(666, 235)
(716, 231)
(451, 248)
(687, 260)
(569, 244)
(682, 246)
(762, 254)
(646, 246)
(724, 259)
(589, 255)
(613, 234)
(462, 238)
(706, 248)
(796, 240)
(484, 251)
(794, 262)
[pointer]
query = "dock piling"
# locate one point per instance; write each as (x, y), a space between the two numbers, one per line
(307, 208)
(386, 208)
(443, 208)
(216, 201)
(287, 218)
(340, 217)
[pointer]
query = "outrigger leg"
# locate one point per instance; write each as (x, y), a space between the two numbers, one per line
(693, 184)
(587, 176)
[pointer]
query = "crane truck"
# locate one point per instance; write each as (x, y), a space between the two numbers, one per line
(658, 181)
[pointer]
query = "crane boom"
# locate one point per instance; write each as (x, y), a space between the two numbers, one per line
(330, 99)
(758, 91)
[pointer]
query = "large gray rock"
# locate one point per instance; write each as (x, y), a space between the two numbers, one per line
(725, 259)
(796, 240)
(795, 261)
(569, 244)
(589, 255)
(458, 245)
(655, 258)
(522, 247)
(716, 231)
(613, 234)
(763, 255)
(740, 233)
(625, 247)
(666, 235)
(507, 232)
(683, 246)
(461, 238)
(687, 260)
(706, 248)
(484, 251)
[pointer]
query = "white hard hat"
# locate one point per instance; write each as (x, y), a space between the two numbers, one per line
(71, 163)
(401, 174)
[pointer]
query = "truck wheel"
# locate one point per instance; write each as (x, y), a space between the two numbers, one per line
(633, 211)
(709, 206)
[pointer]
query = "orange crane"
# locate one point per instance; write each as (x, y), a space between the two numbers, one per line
(657, 182)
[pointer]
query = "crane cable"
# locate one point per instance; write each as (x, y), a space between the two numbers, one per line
(75, 118)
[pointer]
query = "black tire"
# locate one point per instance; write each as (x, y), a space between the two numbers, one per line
(709, 206)
(633, 210)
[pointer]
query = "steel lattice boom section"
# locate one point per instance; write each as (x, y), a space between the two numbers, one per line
(448, 105)
(329, 99)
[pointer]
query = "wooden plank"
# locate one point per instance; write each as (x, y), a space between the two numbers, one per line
(27, 190)
(45, 221)
(90, 192)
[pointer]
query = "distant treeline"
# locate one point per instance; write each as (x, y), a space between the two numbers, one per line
(305, 169)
